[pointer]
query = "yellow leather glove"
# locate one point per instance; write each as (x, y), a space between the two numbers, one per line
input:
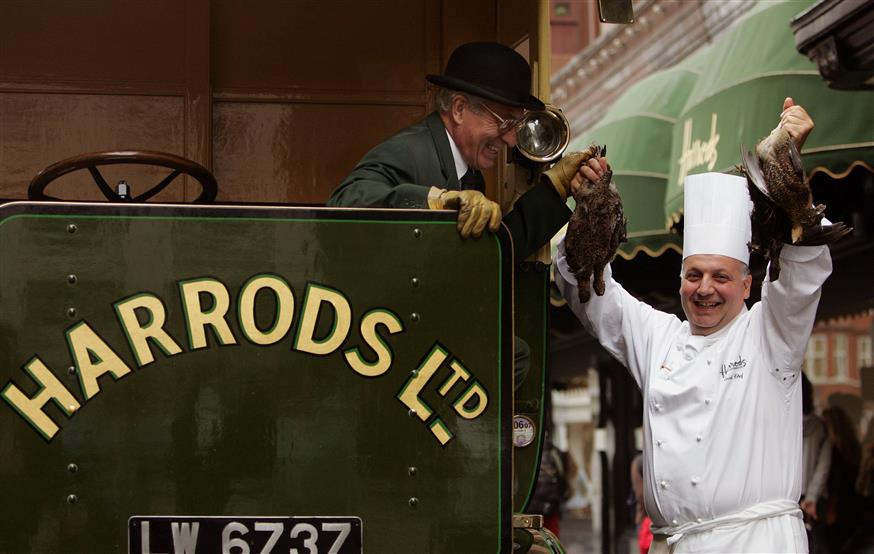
(561, 174)
(475, 211)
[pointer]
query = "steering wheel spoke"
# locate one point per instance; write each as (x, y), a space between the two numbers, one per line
(103, 185)
(157, 188)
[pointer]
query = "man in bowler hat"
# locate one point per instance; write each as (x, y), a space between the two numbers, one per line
(436, 163)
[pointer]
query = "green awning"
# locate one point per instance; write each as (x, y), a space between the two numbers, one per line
(636, 130)
(737, 100)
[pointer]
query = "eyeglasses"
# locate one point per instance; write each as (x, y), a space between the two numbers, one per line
(504, 125)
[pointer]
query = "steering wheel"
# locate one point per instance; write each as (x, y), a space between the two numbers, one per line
(179, 165)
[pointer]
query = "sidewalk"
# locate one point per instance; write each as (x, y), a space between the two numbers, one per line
(577, 537)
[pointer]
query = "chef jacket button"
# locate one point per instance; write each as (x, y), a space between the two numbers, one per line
(699, 520)
(708, 362)
(663, 484)
(707, 401)
(657, 406)
(674, 522)
(659, 443)
(698, 438)
(679, 348)
(694, 481)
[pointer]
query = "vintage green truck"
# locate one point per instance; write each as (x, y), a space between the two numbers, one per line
(203, 378)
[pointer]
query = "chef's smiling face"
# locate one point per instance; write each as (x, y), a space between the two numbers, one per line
(712, 291)
(477, 132)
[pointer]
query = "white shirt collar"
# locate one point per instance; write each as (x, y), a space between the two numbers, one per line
(461, 166)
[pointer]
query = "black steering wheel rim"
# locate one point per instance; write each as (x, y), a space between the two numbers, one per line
(90, 161)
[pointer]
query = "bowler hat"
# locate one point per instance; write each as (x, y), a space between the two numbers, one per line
(492, 71)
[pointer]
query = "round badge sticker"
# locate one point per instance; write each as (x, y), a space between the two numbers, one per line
(524, 431)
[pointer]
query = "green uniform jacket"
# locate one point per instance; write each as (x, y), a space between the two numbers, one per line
(398, 173)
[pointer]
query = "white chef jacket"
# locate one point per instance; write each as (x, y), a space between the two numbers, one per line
(722, 413)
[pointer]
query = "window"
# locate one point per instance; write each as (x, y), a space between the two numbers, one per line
(841, 358)
(864, 353)
(815, 362)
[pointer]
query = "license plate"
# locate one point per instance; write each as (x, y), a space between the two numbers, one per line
(244, 535)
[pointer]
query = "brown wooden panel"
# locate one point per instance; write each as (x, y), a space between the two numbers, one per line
(94, 43)
(321, 46)
(465, 21)
(37, 130)
(295, 153)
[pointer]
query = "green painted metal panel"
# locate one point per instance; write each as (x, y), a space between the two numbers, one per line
(314, 421)
(530, 290)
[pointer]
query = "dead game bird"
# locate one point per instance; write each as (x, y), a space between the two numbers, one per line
(782, 211)
(595, 230)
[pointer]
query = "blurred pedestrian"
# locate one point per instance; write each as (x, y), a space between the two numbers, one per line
(865, 480)
(641, 519)
(553, 484)
(842, 507)
(816, 455)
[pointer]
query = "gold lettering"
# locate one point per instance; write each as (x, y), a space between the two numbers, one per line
(409, 395)
(368, 332)
(196, 318)
(482, 400)
(284, 309)
(438, 428)
(138, 335)
(316, 295)
(458, 372)
(697, 153)
(31, 409)
(93, 358)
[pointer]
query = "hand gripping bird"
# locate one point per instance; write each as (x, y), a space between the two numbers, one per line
(595, 230)
(783, 211)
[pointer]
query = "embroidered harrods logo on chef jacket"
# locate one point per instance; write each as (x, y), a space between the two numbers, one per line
(733, 370)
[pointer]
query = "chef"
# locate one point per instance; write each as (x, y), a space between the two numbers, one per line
(721, 390)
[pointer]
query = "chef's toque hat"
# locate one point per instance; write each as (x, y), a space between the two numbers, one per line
(716, 216)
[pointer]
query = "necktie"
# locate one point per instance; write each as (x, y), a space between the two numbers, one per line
(473, 180)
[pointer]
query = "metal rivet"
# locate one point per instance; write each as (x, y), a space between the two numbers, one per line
(411, 412)
(417, 232)
(71, 312)
(414, 281)
(71, 228)
(72, 279)
(414, 502)
(414, 373)
(72, 499)
(411, 471)
(72, 468)
(414, 317)
(71, 370)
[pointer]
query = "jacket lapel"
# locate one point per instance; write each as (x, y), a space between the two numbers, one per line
(444, 151)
